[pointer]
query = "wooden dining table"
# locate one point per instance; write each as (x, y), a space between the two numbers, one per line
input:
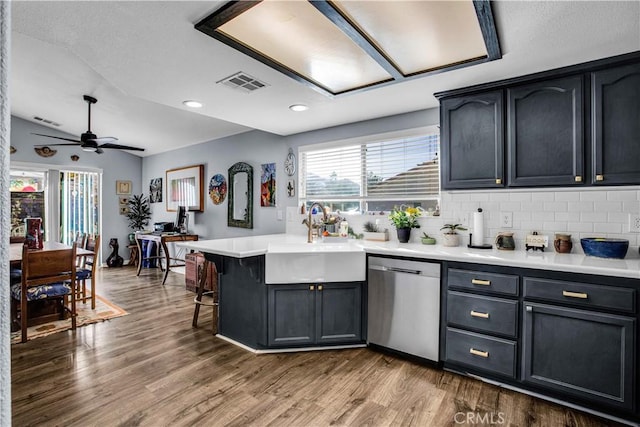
(16, 251)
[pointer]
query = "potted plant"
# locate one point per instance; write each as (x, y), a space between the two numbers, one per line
(451, 237)
(372, 232)
(404, 219)
(138, 214)
(427, 240)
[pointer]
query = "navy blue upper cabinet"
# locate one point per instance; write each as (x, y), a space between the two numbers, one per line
(615, 98)
(472, 143)
(545, 138)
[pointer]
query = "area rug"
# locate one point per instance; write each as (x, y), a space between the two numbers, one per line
(104, 310)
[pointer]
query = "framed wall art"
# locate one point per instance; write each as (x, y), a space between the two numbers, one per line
(123, 187)
(155, 190)
(185, 187)
(268, 185)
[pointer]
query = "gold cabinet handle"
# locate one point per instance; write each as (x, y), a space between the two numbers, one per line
(581, 295)
(599, 177)
(481, 282)
(498, 181)
(479, 352)
(578, 178)
(479, 314)
(319, 287)
(311, 287)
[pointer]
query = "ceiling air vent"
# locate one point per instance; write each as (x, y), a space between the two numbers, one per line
(46, 121)
(243, 81)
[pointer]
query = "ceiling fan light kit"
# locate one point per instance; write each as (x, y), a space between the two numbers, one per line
(88, 140)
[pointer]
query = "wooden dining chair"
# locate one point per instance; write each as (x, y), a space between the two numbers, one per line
(45, 274)
(80, 241)
(87, 272)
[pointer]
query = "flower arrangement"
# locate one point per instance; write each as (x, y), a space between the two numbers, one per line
(405, 218)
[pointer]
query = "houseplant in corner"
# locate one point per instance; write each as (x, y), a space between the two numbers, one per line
(139, 214)
(451, 237)
(404, 219)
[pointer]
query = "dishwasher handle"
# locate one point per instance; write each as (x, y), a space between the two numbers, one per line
(395, 269)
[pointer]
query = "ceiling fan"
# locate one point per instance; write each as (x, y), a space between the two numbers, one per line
(90, 141)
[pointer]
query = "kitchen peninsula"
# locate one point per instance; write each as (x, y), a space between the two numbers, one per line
(516, 299)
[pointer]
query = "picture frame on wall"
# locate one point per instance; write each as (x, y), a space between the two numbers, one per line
(185, 187)
(155, 190)
(268, 185)
(123, 187)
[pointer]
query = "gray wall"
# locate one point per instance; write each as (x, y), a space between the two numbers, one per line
(115, 165)
(255, 148)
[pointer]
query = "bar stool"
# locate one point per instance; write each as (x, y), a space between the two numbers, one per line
(200, 292)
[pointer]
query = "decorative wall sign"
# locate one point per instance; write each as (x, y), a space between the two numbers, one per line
(123, 187)
(217, 188)
(268, 185)
(185, 187)
(291, 188)
(123, 203)
(155, 190)
(290, 163)
(45, 151)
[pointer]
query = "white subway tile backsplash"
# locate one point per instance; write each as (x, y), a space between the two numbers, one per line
(623, 195)
(593, 196)
(580, 206)
(582, 213)
(555, 206)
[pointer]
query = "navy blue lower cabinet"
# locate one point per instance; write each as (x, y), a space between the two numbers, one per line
(314, 314)
(582, 353)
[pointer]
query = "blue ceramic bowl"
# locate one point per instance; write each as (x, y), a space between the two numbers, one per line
(605, 248)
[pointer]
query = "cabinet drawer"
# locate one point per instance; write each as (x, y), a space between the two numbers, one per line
(478, 280)
(493, 315)
(582, 294)
(481, 351)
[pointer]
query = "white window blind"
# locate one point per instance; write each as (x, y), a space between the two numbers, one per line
(373, 175)
(79, 204)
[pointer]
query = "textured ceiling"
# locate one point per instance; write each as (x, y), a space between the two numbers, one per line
(142, 59)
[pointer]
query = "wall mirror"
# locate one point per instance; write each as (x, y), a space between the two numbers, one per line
(240, 208)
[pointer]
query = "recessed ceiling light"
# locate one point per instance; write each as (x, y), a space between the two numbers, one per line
(298, 107)
(192, 104)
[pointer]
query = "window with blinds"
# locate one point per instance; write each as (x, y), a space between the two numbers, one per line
(79, 204)
(373, 176)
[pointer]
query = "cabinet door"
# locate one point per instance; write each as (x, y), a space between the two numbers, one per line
(339, 311)
(472, 141)
(616, 125)
(581, 353)
(291, 314)
(545, 133)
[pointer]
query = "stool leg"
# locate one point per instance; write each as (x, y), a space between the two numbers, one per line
(199, 290)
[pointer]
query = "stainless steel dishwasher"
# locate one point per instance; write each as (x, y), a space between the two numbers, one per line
(404, 306)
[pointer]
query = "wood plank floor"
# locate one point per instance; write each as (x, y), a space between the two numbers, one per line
(151, 368)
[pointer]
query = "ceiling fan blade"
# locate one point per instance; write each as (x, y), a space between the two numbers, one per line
(57, 137)
(120, 147)
(103, 139)
(58, 145)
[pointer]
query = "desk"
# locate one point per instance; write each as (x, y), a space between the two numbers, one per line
(162, 240)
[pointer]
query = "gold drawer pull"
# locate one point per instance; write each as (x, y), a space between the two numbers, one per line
(578, 178)
(481, 282)
(498, 181)
(479, 352)
(479, 314)
(311, 287)
(319, 287)
(570, 294)
(599, 177)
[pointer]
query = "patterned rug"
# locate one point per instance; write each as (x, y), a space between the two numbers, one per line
(105, 310)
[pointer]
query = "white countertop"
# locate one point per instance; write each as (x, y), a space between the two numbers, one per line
(242, 247)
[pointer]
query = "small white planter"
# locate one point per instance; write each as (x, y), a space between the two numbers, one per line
(450, 239)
